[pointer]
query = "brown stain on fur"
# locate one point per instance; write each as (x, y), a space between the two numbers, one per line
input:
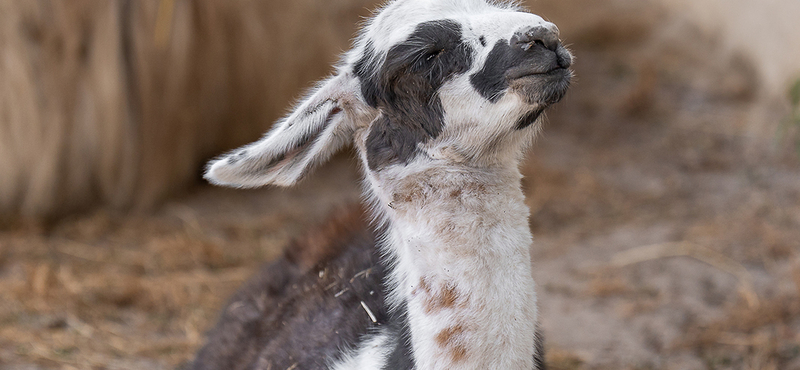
(406, 197)
(430, 186)
(447, 336)
(450, 340)
(447, 297)
(458, 353)
(422, 286)
(444, 298)
(436, 299)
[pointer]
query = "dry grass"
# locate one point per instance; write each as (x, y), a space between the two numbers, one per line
(563, 360)
(119, 291)
(685, 249)
(750, 338)
(131, 288)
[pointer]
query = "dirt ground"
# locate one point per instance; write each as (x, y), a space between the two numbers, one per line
(665, 199)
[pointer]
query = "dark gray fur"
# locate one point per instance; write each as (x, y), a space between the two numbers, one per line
(538, 357)
(405, 87)
(232, 159)
(402, 355)
(529, 118)
(285, 316)
(529, 53)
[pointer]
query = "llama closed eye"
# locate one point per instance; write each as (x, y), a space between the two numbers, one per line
(434, 55)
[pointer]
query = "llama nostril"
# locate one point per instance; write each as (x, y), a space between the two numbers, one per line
(536, 35)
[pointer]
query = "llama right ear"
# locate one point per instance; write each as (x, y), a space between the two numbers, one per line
(319, 126)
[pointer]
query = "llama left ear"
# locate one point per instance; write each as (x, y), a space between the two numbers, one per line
(320, 125)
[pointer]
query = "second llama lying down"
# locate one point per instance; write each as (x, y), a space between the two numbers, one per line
(440, 99)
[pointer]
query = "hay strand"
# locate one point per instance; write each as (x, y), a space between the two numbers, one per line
(700, 253)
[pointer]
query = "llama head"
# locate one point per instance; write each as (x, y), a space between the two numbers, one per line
(452, 80)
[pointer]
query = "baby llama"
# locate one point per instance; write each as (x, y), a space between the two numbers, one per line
(440, 98)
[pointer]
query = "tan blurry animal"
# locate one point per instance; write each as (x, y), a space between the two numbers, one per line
(119, 102)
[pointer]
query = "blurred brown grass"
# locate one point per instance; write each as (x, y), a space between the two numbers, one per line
(111, 290)
(108, 287)
(657, 143)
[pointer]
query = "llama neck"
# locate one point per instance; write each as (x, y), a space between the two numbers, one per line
(461, 242)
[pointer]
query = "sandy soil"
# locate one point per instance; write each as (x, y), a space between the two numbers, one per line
(665, 210)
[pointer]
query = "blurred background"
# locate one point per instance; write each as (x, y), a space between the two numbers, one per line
(665, 190)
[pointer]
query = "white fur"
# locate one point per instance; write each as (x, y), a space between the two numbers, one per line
(458, 225)
(478, 244)
(371, 355)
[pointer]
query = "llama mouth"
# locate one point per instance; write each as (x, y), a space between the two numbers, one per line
(542, 88)
(553, 72)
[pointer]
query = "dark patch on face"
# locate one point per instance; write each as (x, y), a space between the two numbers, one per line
(532, 63)
(365, 68)
(405, 88)
(402, 355)
(529, 119)
(483, 41)
(491, 81)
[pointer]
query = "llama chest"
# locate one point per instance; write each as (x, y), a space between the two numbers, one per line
(460, 246)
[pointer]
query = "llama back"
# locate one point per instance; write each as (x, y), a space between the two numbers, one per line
(307, 308)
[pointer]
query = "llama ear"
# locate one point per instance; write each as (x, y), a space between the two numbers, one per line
(319, 126)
